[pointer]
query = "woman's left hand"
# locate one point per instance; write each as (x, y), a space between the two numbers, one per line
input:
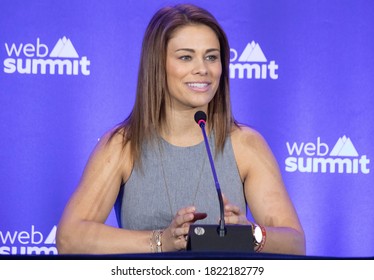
(233, 214)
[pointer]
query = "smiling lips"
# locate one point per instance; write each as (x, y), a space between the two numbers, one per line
(198, 86)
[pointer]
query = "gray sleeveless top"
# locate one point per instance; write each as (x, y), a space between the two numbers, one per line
(175, 177)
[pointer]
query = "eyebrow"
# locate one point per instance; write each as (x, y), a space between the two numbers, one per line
(193, 51)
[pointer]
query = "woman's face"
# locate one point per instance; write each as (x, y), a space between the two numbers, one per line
(193, 67)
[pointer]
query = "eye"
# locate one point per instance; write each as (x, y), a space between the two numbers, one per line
(212, 57)
(185, 57)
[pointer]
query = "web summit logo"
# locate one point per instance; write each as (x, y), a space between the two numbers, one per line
(252, 64)
(36, 59)
(30, 242)
(316, 157)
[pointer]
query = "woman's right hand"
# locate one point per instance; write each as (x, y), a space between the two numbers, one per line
(174, 237)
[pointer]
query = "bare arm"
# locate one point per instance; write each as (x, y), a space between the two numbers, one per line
(82, 228)
(265, 194)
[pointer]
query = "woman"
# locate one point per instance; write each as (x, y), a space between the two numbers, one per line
(158, 155)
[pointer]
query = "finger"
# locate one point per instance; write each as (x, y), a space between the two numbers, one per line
(179, 238)
(225, 200)
(232, 209)
(181, 231)
(175, 238)
(184, 219)
(233, 219)
(186, 210)
(237, 219)
(181, 244)
(228, 207)
(183, 215)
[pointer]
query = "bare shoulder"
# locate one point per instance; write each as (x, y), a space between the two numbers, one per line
(251, 150)
(111, 150)
(248, 139)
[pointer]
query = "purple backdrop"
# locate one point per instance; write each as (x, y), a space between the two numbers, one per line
(301, 74)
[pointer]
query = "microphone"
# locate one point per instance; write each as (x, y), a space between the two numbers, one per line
(200, 119)
(238, 238)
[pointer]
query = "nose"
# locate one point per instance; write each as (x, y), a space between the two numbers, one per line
(200, 68)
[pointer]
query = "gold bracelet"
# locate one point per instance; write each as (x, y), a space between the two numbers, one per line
(158, 239)
(151, 242)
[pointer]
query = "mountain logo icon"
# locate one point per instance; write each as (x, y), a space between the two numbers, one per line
(252, 53)
(64, 48)
(51, 238)
(344, 147)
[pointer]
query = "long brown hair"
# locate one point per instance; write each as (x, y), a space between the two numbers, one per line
(148, 113)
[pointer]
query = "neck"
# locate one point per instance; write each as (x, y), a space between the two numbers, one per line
(181, 128)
